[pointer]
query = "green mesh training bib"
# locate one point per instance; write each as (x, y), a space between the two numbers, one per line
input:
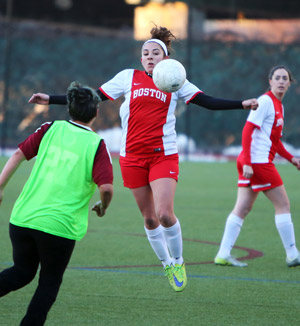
(56, 197)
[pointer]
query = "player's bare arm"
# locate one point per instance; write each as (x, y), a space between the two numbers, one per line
(39, 98)
(250, 104)
(296, 161)
(9, 169)
(106, 193)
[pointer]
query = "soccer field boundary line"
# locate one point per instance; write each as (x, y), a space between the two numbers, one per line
(195, 276)
(212, 277)
(251, 253)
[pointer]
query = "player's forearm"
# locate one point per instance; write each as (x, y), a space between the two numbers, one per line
(281, 150)
(213, 103)
(106, 193)
(62, 99)
(58, 99)
(10, 167)
(246, 141)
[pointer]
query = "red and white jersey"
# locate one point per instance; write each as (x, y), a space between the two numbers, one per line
(269, 121)
(147, 114)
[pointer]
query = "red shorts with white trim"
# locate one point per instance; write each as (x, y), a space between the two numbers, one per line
(139, 172)
(265, 176)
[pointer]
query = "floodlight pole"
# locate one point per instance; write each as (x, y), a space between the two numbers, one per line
(7, 58)
(189, 75)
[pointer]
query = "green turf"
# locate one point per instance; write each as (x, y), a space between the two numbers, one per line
(114, 277)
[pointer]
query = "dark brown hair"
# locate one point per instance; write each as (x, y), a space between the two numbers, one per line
(165, 35)
(272, 71)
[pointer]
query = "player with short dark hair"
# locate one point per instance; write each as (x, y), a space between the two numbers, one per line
(261, 140)
(51, 212)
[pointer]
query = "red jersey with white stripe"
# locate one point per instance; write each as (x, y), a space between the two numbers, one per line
(147, 114)
(269, 121)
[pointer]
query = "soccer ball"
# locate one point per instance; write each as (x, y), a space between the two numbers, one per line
(169, 75)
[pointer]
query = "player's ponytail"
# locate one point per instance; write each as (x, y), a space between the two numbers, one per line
(165, 35)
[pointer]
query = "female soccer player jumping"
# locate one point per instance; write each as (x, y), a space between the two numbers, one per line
(149, 155)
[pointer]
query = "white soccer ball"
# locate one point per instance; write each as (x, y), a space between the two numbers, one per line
(169, 75)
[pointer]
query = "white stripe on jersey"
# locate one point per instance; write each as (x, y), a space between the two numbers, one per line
(147, 114)
(269, 118)
(45, 123)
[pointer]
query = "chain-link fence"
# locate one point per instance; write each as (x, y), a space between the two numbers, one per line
(47, 57)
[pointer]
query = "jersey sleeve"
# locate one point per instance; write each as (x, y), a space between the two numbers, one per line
(118, 85)
(31, 144)
(102, 169)
(214, 103)
(257, 116)
(188, 91)
(246, 141)
(281, 150)
(58, 99)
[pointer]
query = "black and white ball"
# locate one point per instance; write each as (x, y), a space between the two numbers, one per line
(169, 75)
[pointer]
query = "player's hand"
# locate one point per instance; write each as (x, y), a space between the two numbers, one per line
(251, 104)
(247, 171)
(39, 98)
(98, 208)
(296, 162)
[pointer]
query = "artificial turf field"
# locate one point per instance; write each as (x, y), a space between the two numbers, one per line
(114, 278)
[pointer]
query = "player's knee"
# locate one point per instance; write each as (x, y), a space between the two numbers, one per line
(283, 207)
(242, 212)
(26, 276)
(166, 219)
(151, 223)
(14, 279)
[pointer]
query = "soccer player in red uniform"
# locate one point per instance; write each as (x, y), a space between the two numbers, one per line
(261, 140)
(148, 154)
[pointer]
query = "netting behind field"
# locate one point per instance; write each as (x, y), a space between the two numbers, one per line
(47, 58)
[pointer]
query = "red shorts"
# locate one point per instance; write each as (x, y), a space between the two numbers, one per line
(139, 172)
(265, 176)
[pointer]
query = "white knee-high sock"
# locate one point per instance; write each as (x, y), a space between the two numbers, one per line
(159, 245)
(173, 238)
(285, 229)
(231, 232)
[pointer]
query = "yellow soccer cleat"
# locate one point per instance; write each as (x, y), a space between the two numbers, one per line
(179, 277)
(169, 273)
(229, 261)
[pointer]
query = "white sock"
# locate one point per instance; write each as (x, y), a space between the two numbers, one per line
(285, 228)
(159, 245)
(232, 230)
(173, 238)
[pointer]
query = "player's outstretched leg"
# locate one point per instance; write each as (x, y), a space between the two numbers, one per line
(229, 261)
